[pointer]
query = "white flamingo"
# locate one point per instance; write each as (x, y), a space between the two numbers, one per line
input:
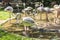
(10, 10)
(27, 10)
(28, 20)
(56, 12)
(40, 10)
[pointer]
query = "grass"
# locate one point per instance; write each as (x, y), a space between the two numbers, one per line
(9, 36)
(4, 15)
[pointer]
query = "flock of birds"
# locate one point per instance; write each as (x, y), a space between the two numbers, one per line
(40, 9)
(50, 27)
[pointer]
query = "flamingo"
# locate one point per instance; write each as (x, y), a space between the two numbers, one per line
(29, 21)
(27, 10)
(9, 9)
(40, 10)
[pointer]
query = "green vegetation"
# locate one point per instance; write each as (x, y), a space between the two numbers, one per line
(0, 26)
(4, 15)
(9, 36)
